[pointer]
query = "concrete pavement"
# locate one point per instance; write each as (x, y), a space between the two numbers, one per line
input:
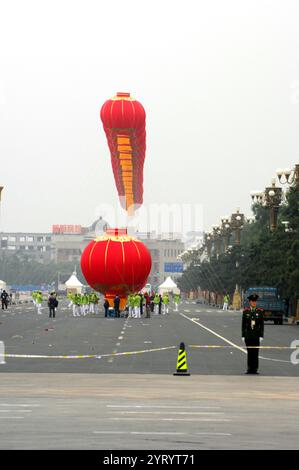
(107, 411)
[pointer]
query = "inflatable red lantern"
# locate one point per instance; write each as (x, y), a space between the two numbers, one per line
(116, 264)
(124, 124)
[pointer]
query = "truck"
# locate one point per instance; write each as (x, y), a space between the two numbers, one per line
(270, 301)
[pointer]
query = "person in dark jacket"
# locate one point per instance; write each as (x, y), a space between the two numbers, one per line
(160, 303)
(116, 306)
(106, 306)
(152, 305)
(253, 333)
(52, 304)
(4, 299)
(141, 303)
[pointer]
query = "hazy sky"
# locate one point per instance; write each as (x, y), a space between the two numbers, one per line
(219, 81)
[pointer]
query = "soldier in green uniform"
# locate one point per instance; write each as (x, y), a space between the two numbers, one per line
(253, 332)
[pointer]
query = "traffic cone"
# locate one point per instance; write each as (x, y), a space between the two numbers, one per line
(181, 367)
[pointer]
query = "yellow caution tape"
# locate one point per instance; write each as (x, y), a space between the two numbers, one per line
(89, 356)
(143, 351)
(243, 345)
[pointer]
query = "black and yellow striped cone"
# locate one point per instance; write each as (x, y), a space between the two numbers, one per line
(181, 367)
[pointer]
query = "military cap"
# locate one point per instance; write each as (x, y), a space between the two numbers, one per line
(253, 297)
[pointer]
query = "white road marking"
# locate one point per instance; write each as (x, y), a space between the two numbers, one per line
(187, 311)
(127, 418)
(216, 334)
(212, 434)
(11, 417)
(147, 342)
(137, 432)
(117, 344)
(174, 412)
(15, 411)
(159, 433)
(164, 406)
(120, 337)
(18, 404)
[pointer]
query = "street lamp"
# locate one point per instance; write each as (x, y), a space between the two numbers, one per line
(237, 224)
(217, 238)
(272, 200)
(288, 176)
(208, 243)
(226, 231)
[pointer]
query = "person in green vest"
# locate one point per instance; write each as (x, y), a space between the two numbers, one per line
(165, 300)
(131, 303)
(84, 303)
(76, 305)
(70, 297)
(94, 300)
(176, 300)
(39, 301)
(137, 301)
(33, 295)
(156, 303)
(225, 302)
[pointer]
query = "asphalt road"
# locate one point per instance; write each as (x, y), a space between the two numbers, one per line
(26, 333)
(133, 401)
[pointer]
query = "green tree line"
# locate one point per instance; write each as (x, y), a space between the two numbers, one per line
(264, 258)
(17, 269)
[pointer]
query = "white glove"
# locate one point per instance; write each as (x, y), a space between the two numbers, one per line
(261, 339)
(243, 339)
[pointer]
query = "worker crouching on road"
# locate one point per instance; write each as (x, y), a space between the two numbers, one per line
(253, 333)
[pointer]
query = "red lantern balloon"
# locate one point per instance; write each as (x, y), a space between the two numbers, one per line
(124, 124)
(116, 264)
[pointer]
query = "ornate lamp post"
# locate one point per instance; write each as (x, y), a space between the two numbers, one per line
(288, 176)
(217, 238)
(237, 223)
(208, 243)
(272, 200)
(226, 231)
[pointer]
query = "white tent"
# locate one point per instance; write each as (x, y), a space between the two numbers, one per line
(73, 284)
(168, 286)
(3, 285)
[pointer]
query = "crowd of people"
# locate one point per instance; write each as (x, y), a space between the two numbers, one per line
(83, 304)
(140, 303)
(38, 298)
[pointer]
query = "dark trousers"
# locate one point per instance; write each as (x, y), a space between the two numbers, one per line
(52, 311)
(116, 309)
(252, 354)
(160, 306)
(148, 311)
(106, 311)
(4, 304)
